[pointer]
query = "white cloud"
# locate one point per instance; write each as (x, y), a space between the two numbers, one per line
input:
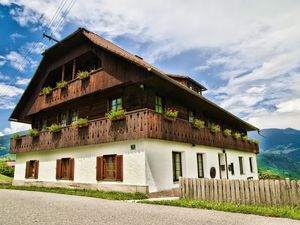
(16, 127)
(2, 60)
(35, 47)
(22, 81)
(15, 36)
(254, 44)
(17, 61)
(8, 95)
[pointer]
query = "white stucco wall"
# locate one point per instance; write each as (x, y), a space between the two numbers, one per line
(149, 164)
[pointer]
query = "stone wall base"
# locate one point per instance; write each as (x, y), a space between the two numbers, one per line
(101, 186)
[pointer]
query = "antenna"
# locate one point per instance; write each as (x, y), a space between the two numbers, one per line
(50, 38)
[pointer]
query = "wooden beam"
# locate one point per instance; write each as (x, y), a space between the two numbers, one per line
(73, 69)
(63, 73)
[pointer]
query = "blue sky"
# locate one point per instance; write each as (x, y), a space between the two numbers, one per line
(245, 52)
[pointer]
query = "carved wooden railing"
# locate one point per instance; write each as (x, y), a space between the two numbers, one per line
(138, 124)
(98, 80)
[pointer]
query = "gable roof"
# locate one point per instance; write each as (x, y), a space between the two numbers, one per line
(109, 46)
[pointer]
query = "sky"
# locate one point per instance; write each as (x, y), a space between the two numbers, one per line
(245, 52)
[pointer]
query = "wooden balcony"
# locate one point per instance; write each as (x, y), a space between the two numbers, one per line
(138, 124)
(98, 80)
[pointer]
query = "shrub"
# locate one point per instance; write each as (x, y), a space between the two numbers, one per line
(215, 128)
(268, 174)
(236, 135)
(6, 170)
(115, 114)
(171, 113)
(245, 138)
(82, 74)
(61, 84)
(227, 132)
(33, 132)
(81, 122)
(16, 136)
(198, 123)
(46, 90)
(54, 128)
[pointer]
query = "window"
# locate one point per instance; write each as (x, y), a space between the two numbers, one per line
(43, 123)
(251, 164)
(241, 165)
(116, 104)
(32, 169)
(110, 167)
(177, 167)
(65, 169)
(191, 116)
(74, 115)
(158, 104)
(200, 165)
(63, 119)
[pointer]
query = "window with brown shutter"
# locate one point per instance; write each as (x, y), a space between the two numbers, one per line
(65, 169)
(110, 167)
(32, 169)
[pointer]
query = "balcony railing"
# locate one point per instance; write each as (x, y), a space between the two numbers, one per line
(75, 88)
(138, 124)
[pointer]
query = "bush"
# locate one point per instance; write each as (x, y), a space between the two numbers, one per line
(115, 114)
(6, 170)
(33, 132)
(16, 136)
(46, 90)
(198, 123)
(236, 135)
(215, 128)
(82, 74)
(227, 132)
(81, 122)
(54, 128)
(268, 174)
(61, 84)
(171, 112)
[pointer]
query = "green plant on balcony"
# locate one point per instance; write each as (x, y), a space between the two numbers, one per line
(198, 123)
(227, 132)
(16, 136)
(54, 128)
(33, 132)
(236, 135)
(46, 90)
(61, 84)
(215, 128)
(82, 74)
(81, 122)
(245, 138)
(254, 141)
(171, 114)
(116, 114)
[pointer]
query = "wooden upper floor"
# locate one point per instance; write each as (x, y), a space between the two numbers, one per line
(115, 78)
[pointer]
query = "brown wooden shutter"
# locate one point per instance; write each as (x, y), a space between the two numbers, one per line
(36, 169)
(99, 168)
(27, 169)
(119, 167)
(58, 168)
(71, 165)
(104, 168)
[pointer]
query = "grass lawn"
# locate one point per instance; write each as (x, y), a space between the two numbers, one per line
(111, 195)
(5, 179)
(274, 211)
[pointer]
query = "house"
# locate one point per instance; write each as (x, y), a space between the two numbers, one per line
(145, 148)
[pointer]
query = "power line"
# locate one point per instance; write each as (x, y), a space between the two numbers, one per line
(52, 22)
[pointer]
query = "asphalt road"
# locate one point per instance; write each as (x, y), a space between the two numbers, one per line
(24, 207)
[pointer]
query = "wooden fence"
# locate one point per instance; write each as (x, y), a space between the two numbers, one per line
(269, 192)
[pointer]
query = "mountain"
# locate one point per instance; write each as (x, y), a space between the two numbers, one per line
(279, 151)
(4, 144)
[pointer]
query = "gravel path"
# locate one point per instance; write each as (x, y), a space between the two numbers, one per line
(24, 207)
